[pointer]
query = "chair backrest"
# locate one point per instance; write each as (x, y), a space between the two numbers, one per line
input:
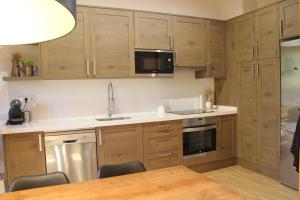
(120, 169)
(30, 182)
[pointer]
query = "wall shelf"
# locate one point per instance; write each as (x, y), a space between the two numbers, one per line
(25, 78)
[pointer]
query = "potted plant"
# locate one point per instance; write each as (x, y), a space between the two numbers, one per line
(28, 66)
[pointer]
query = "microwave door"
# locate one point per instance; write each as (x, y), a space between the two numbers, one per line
(146, 62)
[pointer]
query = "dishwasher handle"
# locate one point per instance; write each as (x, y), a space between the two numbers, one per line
(69, 141)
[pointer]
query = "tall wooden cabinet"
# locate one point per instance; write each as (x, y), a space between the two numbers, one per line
(247, 122)
(190, 42)
(68, 57)
(112, 42)
(268, 108)
(289, 18)
(24, 155)
(153, 31)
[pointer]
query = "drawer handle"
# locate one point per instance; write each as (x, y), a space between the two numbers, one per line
(164, 154)
(40, 143)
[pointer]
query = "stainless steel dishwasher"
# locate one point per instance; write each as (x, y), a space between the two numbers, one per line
(72, 152)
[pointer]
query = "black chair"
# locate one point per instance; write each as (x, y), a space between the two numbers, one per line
(120, 169)
(30, 182)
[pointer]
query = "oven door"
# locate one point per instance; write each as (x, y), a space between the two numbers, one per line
(199, 141)
(154, 62)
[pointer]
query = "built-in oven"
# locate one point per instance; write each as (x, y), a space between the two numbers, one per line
(154, 62)
(199, 137)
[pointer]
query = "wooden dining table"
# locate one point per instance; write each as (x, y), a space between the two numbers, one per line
(174, 183)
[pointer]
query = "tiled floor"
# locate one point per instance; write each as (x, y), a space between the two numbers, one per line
(252, 185)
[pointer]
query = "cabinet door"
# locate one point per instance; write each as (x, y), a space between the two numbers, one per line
(68, 57)
(245, 36)
(289, 18)
(24, 155)
(247, 130)
(153, 31)
(227, 137)
(268, 94)
(267, 34)
(190, 42)
(119, 144)
(216, 49)
(112, 42)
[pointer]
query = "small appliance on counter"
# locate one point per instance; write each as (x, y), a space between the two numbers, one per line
(15, 114)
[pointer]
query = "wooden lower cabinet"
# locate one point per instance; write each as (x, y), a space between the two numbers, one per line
(119, 144)
(226, 138)
(24, 155)
(162, 143)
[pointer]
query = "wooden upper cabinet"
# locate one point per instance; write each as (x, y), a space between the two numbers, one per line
(190, 42)
(67, 57)
(112, 40)
(227, 137)
(268, 94)
(247, 137)
(245, 36)
(24, 155)
(216, 48)
(119, 144)
(153, 31)
(289, 18)
(267, 33)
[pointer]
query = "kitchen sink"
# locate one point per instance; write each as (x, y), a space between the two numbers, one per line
(113, 118)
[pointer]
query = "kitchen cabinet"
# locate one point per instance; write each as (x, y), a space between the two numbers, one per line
(216, 67)
(268, 107)
(289, 18)
(267, 33)
(24, 155)
(68, 57)
(100, 46)
(245, 36)
(190, 42)
(226, 137)
(112, 42)
(119, 144)
(247, 121)
(162, 144)
(153, 31)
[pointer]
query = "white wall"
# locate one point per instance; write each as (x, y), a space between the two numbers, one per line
(89, 97)
(215, 9)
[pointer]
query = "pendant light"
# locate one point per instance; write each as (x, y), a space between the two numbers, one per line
(33, 21)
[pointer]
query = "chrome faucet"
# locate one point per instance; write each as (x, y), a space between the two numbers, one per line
(111, 100)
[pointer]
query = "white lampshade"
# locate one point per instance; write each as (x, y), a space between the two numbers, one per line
(33, 21)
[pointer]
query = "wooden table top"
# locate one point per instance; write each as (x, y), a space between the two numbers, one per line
(178, 183)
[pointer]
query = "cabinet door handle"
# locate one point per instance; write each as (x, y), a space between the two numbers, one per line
(253, 70)
(253, 52)
(88, 72)
(99, 137)
(40, 143)
(171, 41)
(257, 70)
(164, 154)
(281, 28)
(257, 50)
(94, 65)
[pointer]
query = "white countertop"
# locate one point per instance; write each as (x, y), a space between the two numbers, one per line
(90, 122)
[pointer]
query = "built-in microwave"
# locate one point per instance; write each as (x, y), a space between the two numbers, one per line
(154, 62)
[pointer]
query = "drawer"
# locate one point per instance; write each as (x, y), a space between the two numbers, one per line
(157, 144)
(161, 159)
(162, 126)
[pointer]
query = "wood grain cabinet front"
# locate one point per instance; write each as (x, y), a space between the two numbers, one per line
(119, 144)
(289, 18)
(153, 31)
(24, 155)
(162, 144)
